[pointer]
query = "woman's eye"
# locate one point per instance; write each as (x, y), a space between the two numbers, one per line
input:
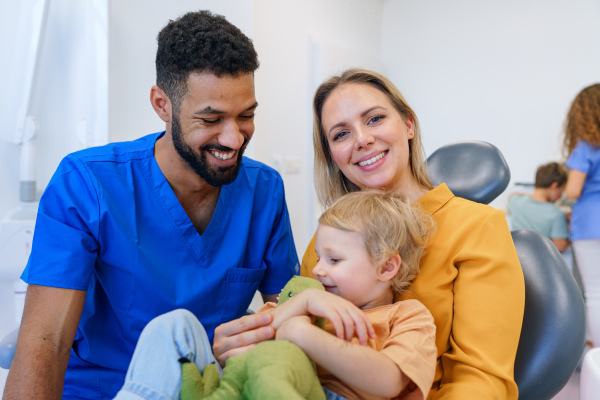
(340, 135)
(375, 119)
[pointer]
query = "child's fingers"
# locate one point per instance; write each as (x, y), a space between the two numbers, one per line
(364, 329)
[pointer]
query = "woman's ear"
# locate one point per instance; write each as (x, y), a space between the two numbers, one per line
(410, 126)
(161, 103)
(390, 268)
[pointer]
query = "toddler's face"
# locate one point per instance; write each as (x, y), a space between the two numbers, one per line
(345, 269)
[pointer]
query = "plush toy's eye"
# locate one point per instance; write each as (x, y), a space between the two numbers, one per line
(290, 294)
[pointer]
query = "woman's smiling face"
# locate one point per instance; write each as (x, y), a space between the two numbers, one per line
(367, 137)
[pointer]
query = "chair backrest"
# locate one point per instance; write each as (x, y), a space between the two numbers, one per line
(553, 332)
(474, 170)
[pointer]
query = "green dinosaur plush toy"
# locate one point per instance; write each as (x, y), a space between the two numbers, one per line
(273, 370)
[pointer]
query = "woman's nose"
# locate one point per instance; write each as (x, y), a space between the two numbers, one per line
(364, 137)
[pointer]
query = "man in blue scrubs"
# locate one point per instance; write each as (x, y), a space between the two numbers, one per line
(176, 219)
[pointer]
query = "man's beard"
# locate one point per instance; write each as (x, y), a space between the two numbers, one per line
(216, 177)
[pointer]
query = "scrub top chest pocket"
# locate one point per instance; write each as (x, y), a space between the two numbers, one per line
(239, 289)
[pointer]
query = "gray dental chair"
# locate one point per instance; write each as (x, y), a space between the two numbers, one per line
(554, 324)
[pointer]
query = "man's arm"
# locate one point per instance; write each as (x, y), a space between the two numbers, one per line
(48, 327)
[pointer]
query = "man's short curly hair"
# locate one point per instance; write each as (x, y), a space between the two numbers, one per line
(200, 42)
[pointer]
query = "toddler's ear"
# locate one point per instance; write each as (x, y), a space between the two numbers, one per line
(390, 268)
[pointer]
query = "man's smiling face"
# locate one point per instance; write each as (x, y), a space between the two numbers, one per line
(213, 125)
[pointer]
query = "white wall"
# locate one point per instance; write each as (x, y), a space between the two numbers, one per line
(286, 34)
(503, 71)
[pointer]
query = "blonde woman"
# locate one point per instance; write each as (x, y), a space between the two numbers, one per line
(367, 136)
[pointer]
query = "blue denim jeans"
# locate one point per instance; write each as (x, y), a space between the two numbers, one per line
(155, 372)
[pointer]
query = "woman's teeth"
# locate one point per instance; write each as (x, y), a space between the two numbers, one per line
(372, 160)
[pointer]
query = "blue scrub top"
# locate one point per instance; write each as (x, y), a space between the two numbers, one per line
(109, 223)
(585, 218)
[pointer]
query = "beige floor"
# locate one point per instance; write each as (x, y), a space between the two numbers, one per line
(571, 389)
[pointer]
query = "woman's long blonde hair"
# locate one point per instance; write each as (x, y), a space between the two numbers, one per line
(583, 119)
(330, 183)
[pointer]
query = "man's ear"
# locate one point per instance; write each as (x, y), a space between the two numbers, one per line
(390, 268)
(553, 185)
(161, 103)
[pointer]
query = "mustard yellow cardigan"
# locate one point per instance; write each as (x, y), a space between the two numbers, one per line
(471, 281)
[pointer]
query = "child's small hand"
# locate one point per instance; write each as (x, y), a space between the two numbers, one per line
(347, 319)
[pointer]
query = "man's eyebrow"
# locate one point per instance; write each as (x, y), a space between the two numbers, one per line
(210, 110)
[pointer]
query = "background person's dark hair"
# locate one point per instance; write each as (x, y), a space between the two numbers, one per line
(547, 174)
(200, 42)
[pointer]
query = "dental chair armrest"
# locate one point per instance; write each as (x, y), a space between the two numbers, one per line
(8, 345)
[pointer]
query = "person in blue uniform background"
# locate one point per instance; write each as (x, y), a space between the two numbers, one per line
(176, 219)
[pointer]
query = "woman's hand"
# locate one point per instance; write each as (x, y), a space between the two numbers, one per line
(240, 335)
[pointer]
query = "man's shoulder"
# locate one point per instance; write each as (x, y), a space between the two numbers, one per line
(260, 167)
(118, 151)
(259, 173)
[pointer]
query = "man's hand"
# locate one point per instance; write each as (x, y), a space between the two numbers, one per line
(240, 335)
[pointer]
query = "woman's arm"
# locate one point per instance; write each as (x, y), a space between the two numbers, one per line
(377, 374)
(488, 305)
(575, 183)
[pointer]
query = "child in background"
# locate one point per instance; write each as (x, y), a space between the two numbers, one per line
(537, 211)
(369, 244)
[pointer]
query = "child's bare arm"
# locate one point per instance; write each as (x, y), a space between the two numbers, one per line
(360, 366)
(347, 319)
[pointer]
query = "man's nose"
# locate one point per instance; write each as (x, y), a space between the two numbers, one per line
(231, 136)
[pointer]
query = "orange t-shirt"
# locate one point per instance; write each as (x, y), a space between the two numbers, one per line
(405, 332)
(471, 281)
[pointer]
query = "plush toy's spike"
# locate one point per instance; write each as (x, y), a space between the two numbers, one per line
(191, 381)
(211, 378)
